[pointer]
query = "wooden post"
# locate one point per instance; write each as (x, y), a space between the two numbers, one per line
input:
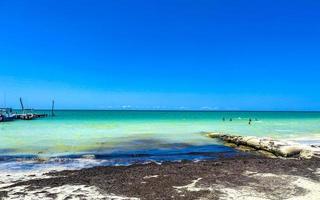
(22, 107)
(4, 100)
(52, 108)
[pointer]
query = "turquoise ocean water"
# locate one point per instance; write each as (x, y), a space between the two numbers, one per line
(141, 135)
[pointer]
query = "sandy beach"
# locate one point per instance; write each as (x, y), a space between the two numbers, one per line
(245, 177)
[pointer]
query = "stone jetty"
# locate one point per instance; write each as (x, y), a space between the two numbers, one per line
(267, 146)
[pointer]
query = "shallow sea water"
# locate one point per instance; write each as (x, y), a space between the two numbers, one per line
(126, 137)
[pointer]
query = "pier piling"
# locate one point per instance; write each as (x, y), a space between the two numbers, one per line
(52, 109)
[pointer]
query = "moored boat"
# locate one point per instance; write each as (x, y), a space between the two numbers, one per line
(6, 114)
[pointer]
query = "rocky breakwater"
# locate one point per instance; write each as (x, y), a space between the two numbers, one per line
(267, 146)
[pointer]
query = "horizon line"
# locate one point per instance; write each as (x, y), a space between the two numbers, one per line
(170, 110)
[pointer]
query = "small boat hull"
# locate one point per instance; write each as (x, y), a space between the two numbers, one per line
(7, 119)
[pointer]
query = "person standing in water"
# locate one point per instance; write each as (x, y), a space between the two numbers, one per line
(250, 120)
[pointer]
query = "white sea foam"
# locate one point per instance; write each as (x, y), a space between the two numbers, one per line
(17, 171)
(12, 173)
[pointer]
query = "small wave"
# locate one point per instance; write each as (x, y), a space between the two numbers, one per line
(119, 158)
(283, 130)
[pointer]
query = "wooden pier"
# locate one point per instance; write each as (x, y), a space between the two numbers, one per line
(30, 116)
(7, 114)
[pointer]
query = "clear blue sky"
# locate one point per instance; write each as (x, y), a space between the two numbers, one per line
(164, 54)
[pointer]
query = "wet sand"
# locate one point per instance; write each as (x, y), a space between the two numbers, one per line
(245, 177)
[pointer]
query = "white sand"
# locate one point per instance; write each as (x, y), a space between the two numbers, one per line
(62, 192)
(151, 176)
(270, 186)
(191, 187)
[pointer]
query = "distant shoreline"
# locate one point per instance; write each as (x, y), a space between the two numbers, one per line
(177, 110)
